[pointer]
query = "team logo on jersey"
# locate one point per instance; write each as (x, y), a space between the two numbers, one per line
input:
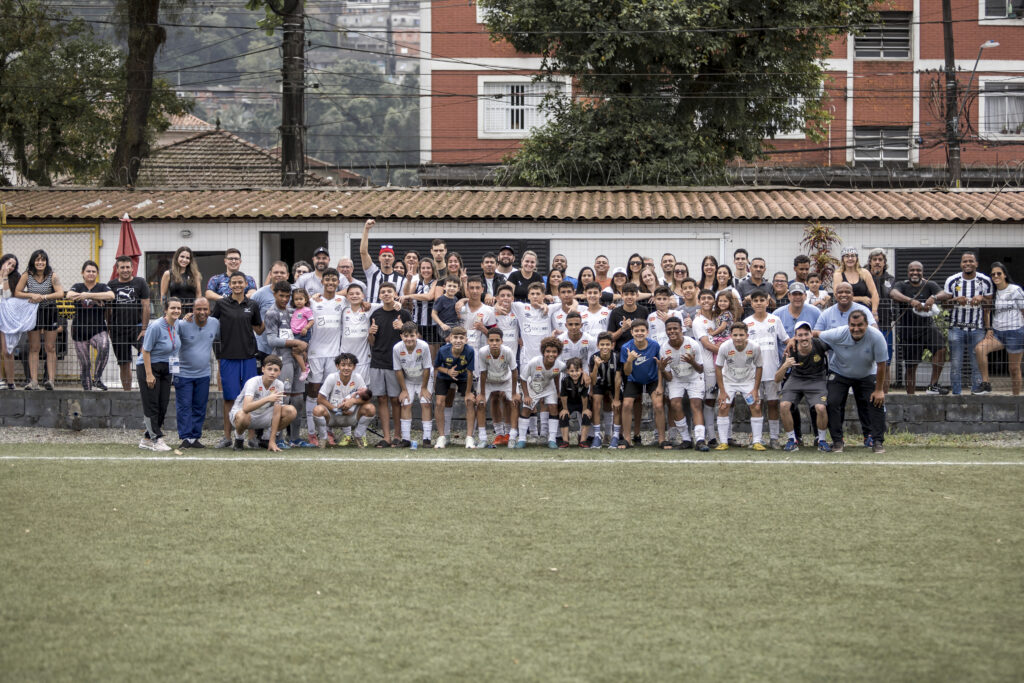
(750, 352)
(732, 353)
(750, 324)
(526, 307)
(586, 341)
(817, 358)
(419, 352)
(401, 353)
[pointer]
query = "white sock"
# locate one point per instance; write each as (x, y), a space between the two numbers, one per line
(321, 425)
(597, 430)
(552, 428)
(513, 434)
(406, 430)
(310, 404)
(822, 435)
(698, 432)
(709, 415)
(616, 431)
(757, 428)
(448, 412)
(684, 429)
(428, 428)
(773, 429)
(791, 435)
(723, 429)
(524, 426)
(482, 432)
(533, 424)
(238, 436)
(499, 428)
(347, 431)
(361, 427)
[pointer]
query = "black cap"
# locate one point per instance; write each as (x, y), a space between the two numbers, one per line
(321, 250)
(509, 248)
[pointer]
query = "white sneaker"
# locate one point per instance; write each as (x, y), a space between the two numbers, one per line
(442, 442)
(470, 442)
(482, 443)
(147, 445)
(161, 445)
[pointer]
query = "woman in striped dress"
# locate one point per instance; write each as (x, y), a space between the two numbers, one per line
(39, 284)
(422, 291)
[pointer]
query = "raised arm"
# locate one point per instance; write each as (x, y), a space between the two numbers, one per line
(364, 244)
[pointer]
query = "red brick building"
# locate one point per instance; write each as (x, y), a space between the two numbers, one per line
(884, 91)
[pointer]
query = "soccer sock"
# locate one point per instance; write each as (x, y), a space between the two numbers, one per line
(773, 429)
(597, 430)
(533, 424)
(310, 404)
(684, 429)
(239, 436)
(544, 424)
(524, 426)
(482, 432)
(552, 428)
(791, 435)
(448, 412)
(757, 428)
(606, 423)
(709, 415)
(616, 431)
(361, 427)
(428, 429)
(822, 435)
(698, 432)
(406, 430)
(723, 429)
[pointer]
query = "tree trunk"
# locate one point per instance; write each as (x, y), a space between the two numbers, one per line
(145, 36)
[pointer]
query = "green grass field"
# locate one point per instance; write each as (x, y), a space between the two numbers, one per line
(280, 568)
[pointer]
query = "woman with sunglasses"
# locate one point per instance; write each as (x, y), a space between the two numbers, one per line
(1004, 328)
(680, 271)
(634, 265)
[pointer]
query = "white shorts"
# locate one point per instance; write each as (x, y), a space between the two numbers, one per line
(415, 389)
(319, 368)
(732, 389)
(694, 386)
(547, 398)
(261, 420)
(499, 388)
(710, 383)
(770, 390)
(343, 420)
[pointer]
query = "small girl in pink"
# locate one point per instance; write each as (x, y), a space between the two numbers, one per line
(302, 324)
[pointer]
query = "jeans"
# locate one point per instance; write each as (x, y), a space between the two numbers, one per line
(961, 340)
(190, 396)
(871, 416)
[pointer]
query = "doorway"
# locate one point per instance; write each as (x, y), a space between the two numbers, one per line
(290, 247)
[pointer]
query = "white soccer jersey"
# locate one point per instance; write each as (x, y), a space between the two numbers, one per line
(595, 322)
(677, 367)
(355, 329)
(656, 328)
(335, 392)
(476, 339)
(509, 326)
(325, 337)
(701, 325)
(557, 317)
(255, 390)
(540, 380)
(415, 363)
(499, 369)
(770, 335)
(738, 367)
(583, 348)
(534, 326)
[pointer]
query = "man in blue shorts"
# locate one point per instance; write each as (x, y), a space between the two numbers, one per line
(239, 318)
(639, 358)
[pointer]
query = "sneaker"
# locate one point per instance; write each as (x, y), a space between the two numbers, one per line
(146, 444)
(722, 447)
(553, 444)
(983, 388)
(345, 440)
(637, 441)
(196, 443)
(936, 390)
(837, 446)
(823, 446)
(595, 442)
(757, 446)
(238, 445)
(362, 441)
(283, 445)
(493, 444)
(224, 442)
(470, 442)
(313, 441)
(774, 444)
(584, 444)
(733, 442)
(406, 443)
(791, 445)
(442, 442)
(161, 445)
(685, 446)
(185, 443)
(97, 385)
(31, 386)
(701, 446)
(614, 443)
(253, 445)
(86, 387)
(868, 442)
(520, 444)
(48, 385)
(878, 447)
(481, 443)
(425, 443)
(561, 444)
(3, 385)
(712, 442)
(331, 441)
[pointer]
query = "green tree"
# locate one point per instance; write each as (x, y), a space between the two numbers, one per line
(669, 92)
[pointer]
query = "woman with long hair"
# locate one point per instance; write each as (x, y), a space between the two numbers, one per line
(649, 281)
(39, 284)
(456, 268)
(634, 264)
(723, 283)
(182, 279)
(680, 271)
(422, 291)
(554, 278)
(156, 366)
(708, 268)
(864, 291)
(525, 276)
(583, 278)
(1004, 328)
(89, 328)
(9, 277)
(612, 294)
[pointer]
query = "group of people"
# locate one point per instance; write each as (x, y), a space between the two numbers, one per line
(526, 351)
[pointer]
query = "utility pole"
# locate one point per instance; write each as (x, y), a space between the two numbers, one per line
(389, 60)
(293, 92)
(952, 108)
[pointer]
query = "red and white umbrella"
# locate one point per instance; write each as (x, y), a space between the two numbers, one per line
(127, 245)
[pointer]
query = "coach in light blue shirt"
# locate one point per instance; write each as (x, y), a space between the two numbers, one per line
(192, 384)
(796, 310)
(857, 361)
(837, 315)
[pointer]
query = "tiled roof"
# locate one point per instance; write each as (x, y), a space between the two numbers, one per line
(185, 122)
(518, 204)
(215, 158)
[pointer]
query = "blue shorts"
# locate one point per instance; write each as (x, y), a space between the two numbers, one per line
(234, 374)
(1013, 340)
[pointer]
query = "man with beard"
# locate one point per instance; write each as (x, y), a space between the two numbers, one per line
(492, 278)
(313, 282)
(378, 275)
(970, 292)
(915, 326)
(506, 259)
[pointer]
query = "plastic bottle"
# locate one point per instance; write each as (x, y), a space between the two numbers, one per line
(414, 445)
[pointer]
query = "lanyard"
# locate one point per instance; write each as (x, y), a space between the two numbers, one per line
(170, 333)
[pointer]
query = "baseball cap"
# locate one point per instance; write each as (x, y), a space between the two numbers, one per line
(321, 250)
(797, 287)
(619, 271)
(801, 323)
(507, 247)
(387, 248)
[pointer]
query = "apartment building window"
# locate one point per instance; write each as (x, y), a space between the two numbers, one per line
(1003, 9)
(795, 103)
(889, 39)
(1001, 108)
(509, 107)
(877, 146)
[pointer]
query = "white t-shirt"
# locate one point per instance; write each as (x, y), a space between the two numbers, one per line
(701, 326)
(739, 367)
(355, 330)
(677, 367)
(255, 390)
(413, 364)
(485, 314)
(499, 369)
(541, 380)
(1007, 306)
(509, 326)
(534, 326)
(595, 322)
(583, 348)
(325, 335)
(557, 316)
(335, 392)
(656, 327)
(770, 335)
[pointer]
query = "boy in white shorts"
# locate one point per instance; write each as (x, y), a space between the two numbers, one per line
(343, 401)
(767, 331)
(701, 325)
(260, 406)
(534, 327)
(413, 367)
(738, 371)
(324, 345)
(683, 370)
(499, 382)
(540, 382)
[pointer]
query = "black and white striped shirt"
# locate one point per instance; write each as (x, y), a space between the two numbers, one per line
(375, 278)
(968, 316)
(421, 309)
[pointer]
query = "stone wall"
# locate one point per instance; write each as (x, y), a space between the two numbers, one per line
(116, 409)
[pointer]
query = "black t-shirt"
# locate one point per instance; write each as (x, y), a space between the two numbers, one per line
(575, 393)
(89, 319)
(615, 318)
(747, 287)
(237, 340)
(814, 366)
(919, 292)
(606, 374)
(386, 338)
(522, 284)
(126, 309)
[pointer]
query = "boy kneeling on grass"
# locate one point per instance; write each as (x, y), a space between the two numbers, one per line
(453, 368)
(343, 401)
(605, 387)
(539, 380)
(738, 369)
(259, 406)
(575, 398)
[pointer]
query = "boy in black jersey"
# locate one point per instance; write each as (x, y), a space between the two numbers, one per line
(805, 370)
(604, 386)
(574, 398)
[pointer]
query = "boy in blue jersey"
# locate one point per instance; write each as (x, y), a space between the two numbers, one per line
(454, 367)
(639, 358)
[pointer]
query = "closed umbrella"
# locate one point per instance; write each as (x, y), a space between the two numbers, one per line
(127, 245)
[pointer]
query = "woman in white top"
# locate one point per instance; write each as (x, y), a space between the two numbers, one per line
(723, 282)
(9, 277)
(1004, 328)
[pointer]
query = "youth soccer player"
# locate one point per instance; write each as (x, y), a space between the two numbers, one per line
(594, 316)
(499, 386)
(639, 358)
(260, 406)
(539, 380)
(738, 372)
(805, 372)
(662, 312)
(534, 327)
(680, 361)
(574, 398)
(324, 346)
(604, 390)
(703, 323)
(575, 344)
(454, 367)
(767, 331)
(565, 305)
(339, 403)
(412, 363)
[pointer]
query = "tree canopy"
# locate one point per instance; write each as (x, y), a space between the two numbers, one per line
(667, 91)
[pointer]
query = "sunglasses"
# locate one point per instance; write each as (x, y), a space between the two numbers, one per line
(680, 272)
(636, 263)
(387, 246)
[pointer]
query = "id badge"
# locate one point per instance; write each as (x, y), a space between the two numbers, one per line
(174, 365)
(285, 333)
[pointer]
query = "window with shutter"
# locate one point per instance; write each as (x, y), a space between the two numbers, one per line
(510, 107)
(889, 39)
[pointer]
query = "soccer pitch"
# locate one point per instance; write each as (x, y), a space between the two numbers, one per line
(371, 565)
